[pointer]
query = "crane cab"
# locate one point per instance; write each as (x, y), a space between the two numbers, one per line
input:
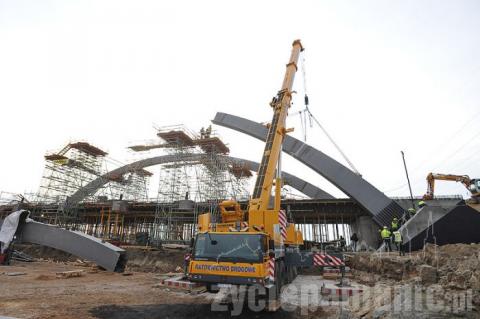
(229, 258)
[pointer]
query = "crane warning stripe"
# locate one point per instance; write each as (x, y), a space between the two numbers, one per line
(282, 216)
(318, 260)
(271, 269)
(326, 260)
(282, 219)
(337, 260)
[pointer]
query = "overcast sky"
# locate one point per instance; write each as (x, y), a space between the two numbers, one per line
(382, 76)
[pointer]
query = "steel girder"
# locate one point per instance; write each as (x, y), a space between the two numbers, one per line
(299, 184)
(104, 254)
(382, 208)
(295, 182)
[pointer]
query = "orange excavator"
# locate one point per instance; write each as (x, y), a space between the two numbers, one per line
(473, 185)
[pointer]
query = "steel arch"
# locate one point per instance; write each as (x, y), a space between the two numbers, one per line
(302, 186)
(382, 208)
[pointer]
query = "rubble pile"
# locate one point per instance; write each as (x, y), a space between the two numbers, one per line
(458, 265)
(138, 258)
(446, 269)
(455, 266)
(162, 261)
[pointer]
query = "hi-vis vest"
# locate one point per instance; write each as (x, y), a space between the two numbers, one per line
(385, 233)
(398, 236)
(394, 225)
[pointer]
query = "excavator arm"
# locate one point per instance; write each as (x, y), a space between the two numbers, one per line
(431, 177)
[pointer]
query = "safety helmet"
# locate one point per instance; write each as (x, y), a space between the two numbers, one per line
(384, 227)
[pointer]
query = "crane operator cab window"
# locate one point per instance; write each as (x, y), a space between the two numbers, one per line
(476, 185)
(249, 248)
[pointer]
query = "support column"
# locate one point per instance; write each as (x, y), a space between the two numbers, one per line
(367, 232)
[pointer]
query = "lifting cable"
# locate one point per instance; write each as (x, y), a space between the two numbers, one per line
(308, 113)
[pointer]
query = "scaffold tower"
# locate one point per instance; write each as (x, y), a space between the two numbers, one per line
(70, 169)
(197, 178)
(73, 167)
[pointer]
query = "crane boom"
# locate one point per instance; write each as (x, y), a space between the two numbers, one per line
(273, 145)
(266, 250)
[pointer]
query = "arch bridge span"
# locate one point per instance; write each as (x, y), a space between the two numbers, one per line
(301, 185)
(377, 204)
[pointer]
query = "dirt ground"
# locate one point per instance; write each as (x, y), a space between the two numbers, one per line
(39, 294)
(447, 271)
(99, 294)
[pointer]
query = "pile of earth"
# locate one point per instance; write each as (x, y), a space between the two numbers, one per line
(162, 261)
(448, 269)
(138, 259)
(455, 266)
(45, 253)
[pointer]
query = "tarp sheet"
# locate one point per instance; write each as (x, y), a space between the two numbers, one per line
(9, 228)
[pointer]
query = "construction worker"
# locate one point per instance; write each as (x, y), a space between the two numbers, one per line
(208, 131)
(354, 240)
(421, 204)
(397, 239)
(411, 212)
(343, 242)
(386, 234)
(395, 224)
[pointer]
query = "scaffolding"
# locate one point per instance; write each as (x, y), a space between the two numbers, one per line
(130, 186)
(194, 181)
(68, 170)
(71, 169)
(198, 176)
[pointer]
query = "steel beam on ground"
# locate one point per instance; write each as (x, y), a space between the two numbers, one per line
(104, 254)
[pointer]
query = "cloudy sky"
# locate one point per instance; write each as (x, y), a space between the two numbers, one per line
(382, 76)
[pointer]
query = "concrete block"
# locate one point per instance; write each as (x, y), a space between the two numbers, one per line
(180, 283)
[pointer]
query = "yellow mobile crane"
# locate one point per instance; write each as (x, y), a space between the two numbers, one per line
(257, 246)
(473, 185)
